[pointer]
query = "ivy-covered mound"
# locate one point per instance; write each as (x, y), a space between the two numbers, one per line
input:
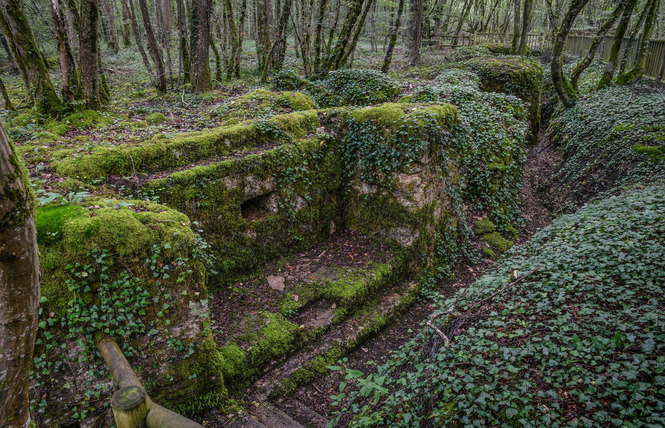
(488, 139)
(130, 270)
(262, 104)
(349, 87)
(580, 341)
(612, 136)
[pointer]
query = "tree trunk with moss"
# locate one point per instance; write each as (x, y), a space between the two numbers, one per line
(640, 62)
(19, 286)
(88, 36)
(563, 87)
(183, 44)
(393, 37)
(5, 97)
(43, 92)
(200, 44)
(526, 22)
(597, 40)
(280, 37)
(633, 36)
(70, 83)
(339, 52)
(608, 75)
(129, 5)
(12, 50)
(516, 28)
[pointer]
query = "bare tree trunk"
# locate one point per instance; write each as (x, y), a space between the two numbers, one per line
(241, 35)
(153, 48)
(19, 285)
(280, 38)
(559, 80)
(393, 38)
(465, 12)
(416, 31)
(200, 44)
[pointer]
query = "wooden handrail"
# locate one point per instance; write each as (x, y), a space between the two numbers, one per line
(132, 407)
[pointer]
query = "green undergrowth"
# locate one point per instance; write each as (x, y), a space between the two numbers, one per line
(262, 104)
(579, 341)
(611, 137)
(349, 87)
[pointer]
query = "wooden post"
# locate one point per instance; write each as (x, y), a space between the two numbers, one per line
(130, 407)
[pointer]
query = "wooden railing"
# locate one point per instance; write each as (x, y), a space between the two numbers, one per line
(577, 45)
(132, 408)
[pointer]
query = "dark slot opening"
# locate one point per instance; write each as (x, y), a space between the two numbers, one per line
(259, 208)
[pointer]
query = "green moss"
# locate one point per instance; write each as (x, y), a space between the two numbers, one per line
(354, 286)
(155, 118)
(26, 118)
(84, 119)
(497, 242)
(297, 124)
(489, 252)
(50, 220)
(655, 153)
(484, 226)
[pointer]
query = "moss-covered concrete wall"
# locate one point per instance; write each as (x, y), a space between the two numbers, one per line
(400, 176)
(514, 76)
(262, 206)
(129, 269)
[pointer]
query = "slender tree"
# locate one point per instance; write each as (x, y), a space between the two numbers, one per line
(5, 97)
(526, 22)
(393, 37)
(640, 62)
(416, 30)
(608, 75)
(19, 286)
(153, 48)
(600, 35)
(559, 80)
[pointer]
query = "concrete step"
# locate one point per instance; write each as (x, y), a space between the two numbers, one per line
(311, 362)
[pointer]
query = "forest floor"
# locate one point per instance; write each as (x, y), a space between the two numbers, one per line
(379, 348)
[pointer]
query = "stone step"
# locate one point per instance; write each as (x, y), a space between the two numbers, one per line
(259, 322)
(303, 414)
(311, 362)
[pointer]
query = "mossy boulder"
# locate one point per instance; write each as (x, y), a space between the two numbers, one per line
(155, 118)
(128, 269)
(350, 87)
